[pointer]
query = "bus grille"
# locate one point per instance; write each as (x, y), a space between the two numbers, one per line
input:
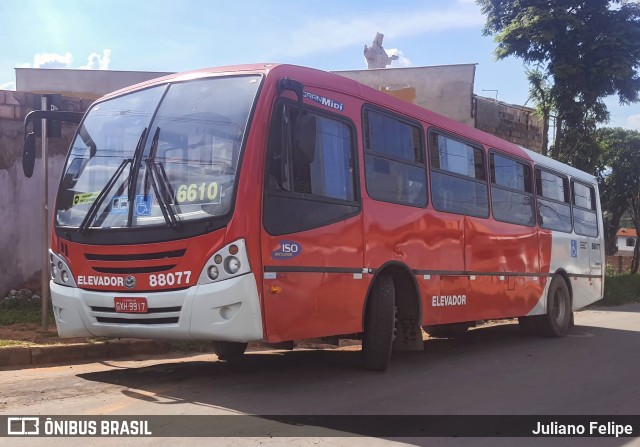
(169, 320)
(130, 264)
(136, 257)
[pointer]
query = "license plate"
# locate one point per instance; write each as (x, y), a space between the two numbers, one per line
(135, 305)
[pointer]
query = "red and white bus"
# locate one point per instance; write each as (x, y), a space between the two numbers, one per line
(278, 203)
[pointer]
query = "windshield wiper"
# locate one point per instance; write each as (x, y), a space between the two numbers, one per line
(93, 209)
(161, 186)
(133, 175)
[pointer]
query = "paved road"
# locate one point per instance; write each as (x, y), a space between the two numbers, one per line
(494, 370)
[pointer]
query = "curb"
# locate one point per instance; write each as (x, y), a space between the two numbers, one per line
(80, 352)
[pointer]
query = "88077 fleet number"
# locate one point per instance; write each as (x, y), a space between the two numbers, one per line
(169, 279)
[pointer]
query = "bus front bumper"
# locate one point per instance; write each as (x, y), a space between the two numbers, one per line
(228, 310)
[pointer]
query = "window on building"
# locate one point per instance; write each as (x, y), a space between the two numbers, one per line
(394, 160)
(511, 190)
(458, 178)
(554, 209)
(631, 242)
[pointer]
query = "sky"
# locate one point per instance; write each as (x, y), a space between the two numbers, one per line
(181, 35)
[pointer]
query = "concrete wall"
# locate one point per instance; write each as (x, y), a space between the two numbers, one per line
(518, 124)
(446, 89)
(21, 199)
(88, 84)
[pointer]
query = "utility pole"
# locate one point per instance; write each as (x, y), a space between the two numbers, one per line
(45, 214)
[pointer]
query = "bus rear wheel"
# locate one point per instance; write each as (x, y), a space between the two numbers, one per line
(557, 320)
(379, 325)
(229, 350)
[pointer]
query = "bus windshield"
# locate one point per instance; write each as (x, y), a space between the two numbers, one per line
(163, 155)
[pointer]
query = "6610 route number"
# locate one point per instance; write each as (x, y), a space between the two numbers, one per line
(169, 279)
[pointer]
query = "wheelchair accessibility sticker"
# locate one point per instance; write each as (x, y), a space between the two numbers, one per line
(143, 205)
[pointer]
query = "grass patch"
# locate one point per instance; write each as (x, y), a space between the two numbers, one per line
(621, 289)
(23, 314)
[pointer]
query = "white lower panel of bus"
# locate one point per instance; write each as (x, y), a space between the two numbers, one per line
(226, 311)
(581, 258)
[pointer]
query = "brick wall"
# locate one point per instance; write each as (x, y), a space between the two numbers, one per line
(21, 199)
(518, 124)
(620, 263)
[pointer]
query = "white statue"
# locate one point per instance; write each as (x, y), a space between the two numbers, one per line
(375, 55)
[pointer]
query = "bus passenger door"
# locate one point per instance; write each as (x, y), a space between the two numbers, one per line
(311, 240)
(585, 225)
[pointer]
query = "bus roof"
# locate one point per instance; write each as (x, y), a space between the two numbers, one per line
(322, 79)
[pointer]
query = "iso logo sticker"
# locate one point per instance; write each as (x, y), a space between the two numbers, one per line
(286, 250)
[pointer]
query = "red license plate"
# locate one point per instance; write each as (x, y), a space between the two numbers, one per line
(131, 305)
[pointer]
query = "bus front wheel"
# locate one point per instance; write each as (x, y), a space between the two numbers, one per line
(557, 320)
(229, 350)
(379, 325)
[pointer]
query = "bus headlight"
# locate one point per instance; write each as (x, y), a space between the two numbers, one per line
(213, 272)
(60, 271)
(228, 262)
(232, 265)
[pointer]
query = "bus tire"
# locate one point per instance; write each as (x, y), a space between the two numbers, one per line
(229, 350)
(379, 325)
(556, 321)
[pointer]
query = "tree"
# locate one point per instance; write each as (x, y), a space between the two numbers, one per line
(540, 93)
(587, 49)
(634, 208)
(618, 173)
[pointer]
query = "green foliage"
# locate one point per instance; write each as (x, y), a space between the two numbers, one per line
(22, 309)
(540, 94)
(621, 289)
(588, 50)
(618, 172)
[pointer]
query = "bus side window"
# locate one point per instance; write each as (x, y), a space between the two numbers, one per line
(310, 177)
(511, 190)
(311, 154)
(554, 210)
(394, 160)
(585, 221)
(458, 178)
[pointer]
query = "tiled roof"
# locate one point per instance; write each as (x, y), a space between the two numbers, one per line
(627, 232)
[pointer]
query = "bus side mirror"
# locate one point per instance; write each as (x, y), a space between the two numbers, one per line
(29, 154)
(294, 86)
